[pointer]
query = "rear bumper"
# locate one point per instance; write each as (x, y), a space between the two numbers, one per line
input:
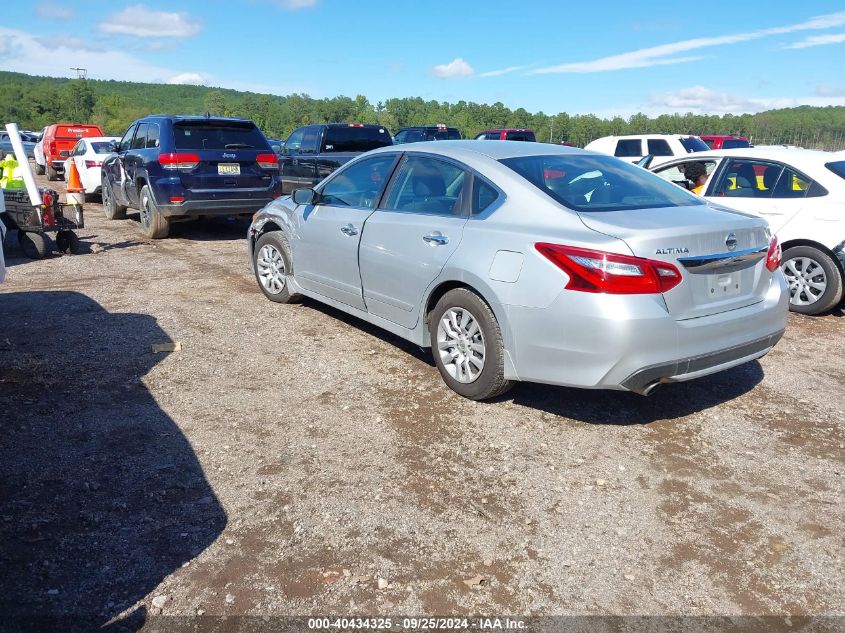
(628, 342)
(212, 207)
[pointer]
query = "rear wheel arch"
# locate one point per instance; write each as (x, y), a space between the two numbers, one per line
(818, 246)
(445, 286)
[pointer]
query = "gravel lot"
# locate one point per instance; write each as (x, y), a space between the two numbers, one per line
(293, 460)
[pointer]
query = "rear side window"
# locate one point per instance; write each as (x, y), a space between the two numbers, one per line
(356, 139)
(659, 147)
(140, 140)
(483, 195)
(708, 142)
(693, 144)
(210, 134)
(599, 183)
(628, 147)
(153, 134)
(735, 143)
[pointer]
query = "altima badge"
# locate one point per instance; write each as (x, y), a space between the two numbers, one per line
(672, 251)
(730, 242)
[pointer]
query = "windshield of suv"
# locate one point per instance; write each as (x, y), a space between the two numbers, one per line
(356, 139)
(599, 183)
(212, 134)
(693, 144)
(734, 143)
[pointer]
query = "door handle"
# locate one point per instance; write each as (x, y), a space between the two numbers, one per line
(349, 230)
(436, 238)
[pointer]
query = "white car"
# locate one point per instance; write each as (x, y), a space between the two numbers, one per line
(802, 195)
(663, 147)
(38, 155)
(89, 154)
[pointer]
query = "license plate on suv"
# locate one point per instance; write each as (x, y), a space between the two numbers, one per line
(229, 169)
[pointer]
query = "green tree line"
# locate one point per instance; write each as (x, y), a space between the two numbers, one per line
(34, 102)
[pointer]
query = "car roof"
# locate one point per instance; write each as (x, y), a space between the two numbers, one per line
(644, 136)
(782, 154)
(507, 129)
(425, 127)
(496, 151)
(97, 139)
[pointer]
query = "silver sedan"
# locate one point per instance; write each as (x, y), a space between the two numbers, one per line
(526, 261)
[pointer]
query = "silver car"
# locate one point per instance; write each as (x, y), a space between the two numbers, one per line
(526, 261)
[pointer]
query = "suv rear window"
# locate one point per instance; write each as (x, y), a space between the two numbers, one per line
(356, 139)
(692, 144)
(599, 183)
(442, 134)
(198, 135)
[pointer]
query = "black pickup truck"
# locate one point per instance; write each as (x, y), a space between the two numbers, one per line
(312, 152)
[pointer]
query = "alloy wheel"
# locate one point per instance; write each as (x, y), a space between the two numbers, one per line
(460, 343)
(271, 269)
(807, 280)
(145, 212)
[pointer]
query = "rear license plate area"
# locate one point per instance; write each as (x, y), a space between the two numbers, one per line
(229, 169)
(721, 286)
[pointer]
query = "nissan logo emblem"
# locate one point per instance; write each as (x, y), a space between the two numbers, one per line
(730, 242)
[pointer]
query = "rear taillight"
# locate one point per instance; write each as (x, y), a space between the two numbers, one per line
(178, 161)
(47, 216)
(267, 161)
(52, 147)
(93, 163)
(774, 257)
(610, 273)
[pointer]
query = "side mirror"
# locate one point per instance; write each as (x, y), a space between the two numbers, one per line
(645, 161)
(113, 146)
(305, 196)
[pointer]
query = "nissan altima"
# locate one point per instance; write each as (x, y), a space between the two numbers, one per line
(525, 261)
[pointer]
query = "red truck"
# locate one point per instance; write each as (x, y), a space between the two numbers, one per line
(724, 141)
(57, 142)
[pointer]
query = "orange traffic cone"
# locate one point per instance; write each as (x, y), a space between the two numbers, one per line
(73, 183)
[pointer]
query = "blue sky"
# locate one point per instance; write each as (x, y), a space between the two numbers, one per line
(606, 58)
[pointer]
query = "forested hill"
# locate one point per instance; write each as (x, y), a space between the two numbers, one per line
(34, 102)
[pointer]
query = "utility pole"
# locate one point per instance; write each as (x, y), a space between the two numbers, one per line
(81, 73)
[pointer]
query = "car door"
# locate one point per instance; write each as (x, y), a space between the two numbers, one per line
(114, 168)
(325, 254)
(133, 161)
(297, 164)
(408, 240)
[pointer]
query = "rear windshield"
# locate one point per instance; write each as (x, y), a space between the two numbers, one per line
(199, 135)
(77, 131)
(692, 144)
(101, 147)
(442, 134)
(837, 168)
(735, 143)
(356, 139)
(599, 183)
(520, 136)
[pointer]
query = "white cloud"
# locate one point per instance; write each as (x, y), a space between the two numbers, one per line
(139, 21)
(54, 11)
(666, 53)
(293, 5)
(819, 40)
(188, 79)
(702, 100)
(826, 90)
(455, 68)
(502, 71)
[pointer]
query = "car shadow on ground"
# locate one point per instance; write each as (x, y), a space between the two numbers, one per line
(593, 406)
(101, 495)
(215, 228)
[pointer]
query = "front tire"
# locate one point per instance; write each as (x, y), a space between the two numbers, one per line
(111, 209)
(34, 245)
(467, 346)
(52, 174)
(273, 267)
(153, 224)
(815, 281)
(39, 169)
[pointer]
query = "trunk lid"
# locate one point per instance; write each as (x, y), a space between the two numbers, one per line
(720, 253)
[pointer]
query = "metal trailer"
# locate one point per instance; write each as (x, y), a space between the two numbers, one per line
(33, 223)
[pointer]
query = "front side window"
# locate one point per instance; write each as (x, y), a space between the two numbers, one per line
(599, 183)
(79, 149)
(294, 142)
(427, 185)
(677, 173)
(126, 141)
(360, 184)
(310, 140)
(628, 147)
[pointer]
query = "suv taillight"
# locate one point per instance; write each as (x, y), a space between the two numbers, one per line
(178, 161)
(610, 273)
(774, 257)
(267, 161)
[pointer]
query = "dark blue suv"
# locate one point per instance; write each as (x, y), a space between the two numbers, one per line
(189, 166)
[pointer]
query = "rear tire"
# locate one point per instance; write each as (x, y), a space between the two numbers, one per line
(52, 174)
(464, 333)
(34, 245)
(273, 267)
(68, 242)
(39, 169)
(815, 280)
(111, 209)
(153, 224)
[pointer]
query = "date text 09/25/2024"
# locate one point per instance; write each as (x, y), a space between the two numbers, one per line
(418, 624)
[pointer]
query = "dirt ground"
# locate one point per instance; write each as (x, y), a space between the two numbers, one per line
(293, 460)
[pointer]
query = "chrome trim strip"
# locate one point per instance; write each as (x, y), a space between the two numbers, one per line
(723, 262)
